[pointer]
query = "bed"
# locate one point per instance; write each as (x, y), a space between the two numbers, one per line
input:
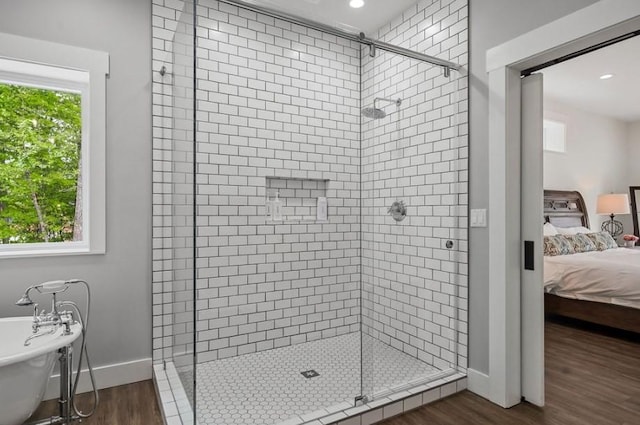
(601, 287)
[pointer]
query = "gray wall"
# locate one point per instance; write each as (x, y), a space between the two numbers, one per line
(492, 22)
(121, 279)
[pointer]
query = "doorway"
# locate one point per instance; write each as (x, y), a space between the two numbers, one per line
(578, 121)
(587, 27)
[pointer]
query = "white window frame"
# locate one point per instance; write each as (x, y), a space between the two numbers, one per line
(549, 125)
(37, 63)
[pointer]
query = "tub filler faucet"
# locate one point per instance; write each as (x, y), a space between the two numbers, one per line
(65, 316)
(53, 319)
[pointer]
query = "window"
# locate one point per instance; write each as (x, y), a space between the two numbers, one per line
(554, 136)
(40, 157)
(52, 143)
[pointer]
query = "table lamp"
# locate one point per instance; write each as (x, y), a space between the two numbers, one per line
(611, 204)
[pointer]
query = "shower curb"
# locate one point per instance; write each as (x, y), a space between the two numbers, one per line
(395, 404)
(176, 410)
(172, 399)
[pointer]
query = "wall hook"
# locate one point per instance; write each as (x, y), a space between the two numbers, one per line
(163, 71)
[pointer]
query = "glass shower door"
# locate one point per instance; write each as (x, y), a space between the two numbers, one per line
(413, 225)
(180, 156)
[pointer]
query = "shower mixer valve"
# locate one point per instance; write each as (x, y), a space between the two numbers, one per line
(398, 210)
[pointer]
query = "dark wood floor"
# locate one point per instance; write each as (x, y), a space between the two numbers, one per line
(591, 378)
(133, 404)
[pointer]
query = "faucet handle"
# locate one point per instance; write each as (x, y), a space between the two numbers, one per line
(35, 326)
(66, 320)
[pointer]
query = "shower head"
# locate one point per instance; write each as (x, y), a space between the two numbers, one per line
(378, 113)
(52, 287)
(374, 113)
(25, 300)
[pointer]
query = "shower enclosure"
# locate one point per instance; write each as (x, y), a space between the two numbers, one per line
(310, 214)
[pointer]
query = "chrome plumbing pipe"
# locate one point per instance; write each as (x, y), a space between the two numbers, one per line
(64, 402)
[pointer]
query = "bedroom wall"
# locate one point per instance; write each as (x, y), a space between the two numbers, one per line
(633, 153)
(595, 160)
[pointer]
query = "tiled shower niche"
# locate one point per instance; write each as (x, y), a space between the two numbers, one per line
(376, 307)
(299, 198)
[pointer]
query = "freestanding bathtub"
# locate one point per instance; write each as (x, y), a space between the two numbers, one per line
(25, 370)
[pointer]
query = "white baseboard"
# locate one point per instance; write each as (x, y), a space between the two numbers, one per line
(478, 383)
(106, 376)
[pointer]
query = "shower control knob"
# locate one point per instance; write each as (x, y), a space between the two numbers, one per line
(398, 210)
(449, 244)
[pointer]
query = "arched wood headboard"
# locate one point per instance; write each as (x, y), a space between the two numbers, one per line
(564, 208)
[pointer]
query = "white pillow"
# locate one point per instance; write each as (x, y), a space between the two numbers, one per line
(573, 230)
(549, 229)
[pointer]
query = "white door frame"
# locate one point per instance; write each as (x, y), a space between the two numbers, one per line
(599, 22)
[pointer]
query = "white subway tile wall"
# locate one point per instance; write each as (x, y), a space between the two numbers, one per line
(414, 287)
(277, 105)
(275, 100)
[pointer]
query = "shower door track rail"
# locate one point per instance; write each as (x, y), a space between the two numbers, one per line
(360, 38)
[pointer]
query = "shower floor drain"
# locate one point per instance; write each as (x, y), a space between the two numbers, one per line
(309, 373)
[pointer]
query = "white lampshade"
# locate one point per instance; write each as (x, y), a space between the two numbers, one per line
(613, 203)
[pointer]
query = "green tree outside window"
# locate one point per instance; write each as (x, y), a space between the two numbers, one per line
(40, 157)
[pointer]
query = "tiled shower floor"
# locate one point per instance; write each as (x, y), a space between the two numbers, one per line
(268, 387)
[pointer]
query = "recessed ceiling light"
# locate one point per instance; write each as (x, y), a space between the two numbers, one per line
(356, 3)
(606, 76)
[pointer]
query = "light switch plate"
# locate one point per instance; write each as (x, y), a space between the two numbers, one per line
(478, 218)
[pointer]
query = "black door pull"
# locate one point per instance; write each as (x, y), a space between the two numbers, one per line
(528, 255)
